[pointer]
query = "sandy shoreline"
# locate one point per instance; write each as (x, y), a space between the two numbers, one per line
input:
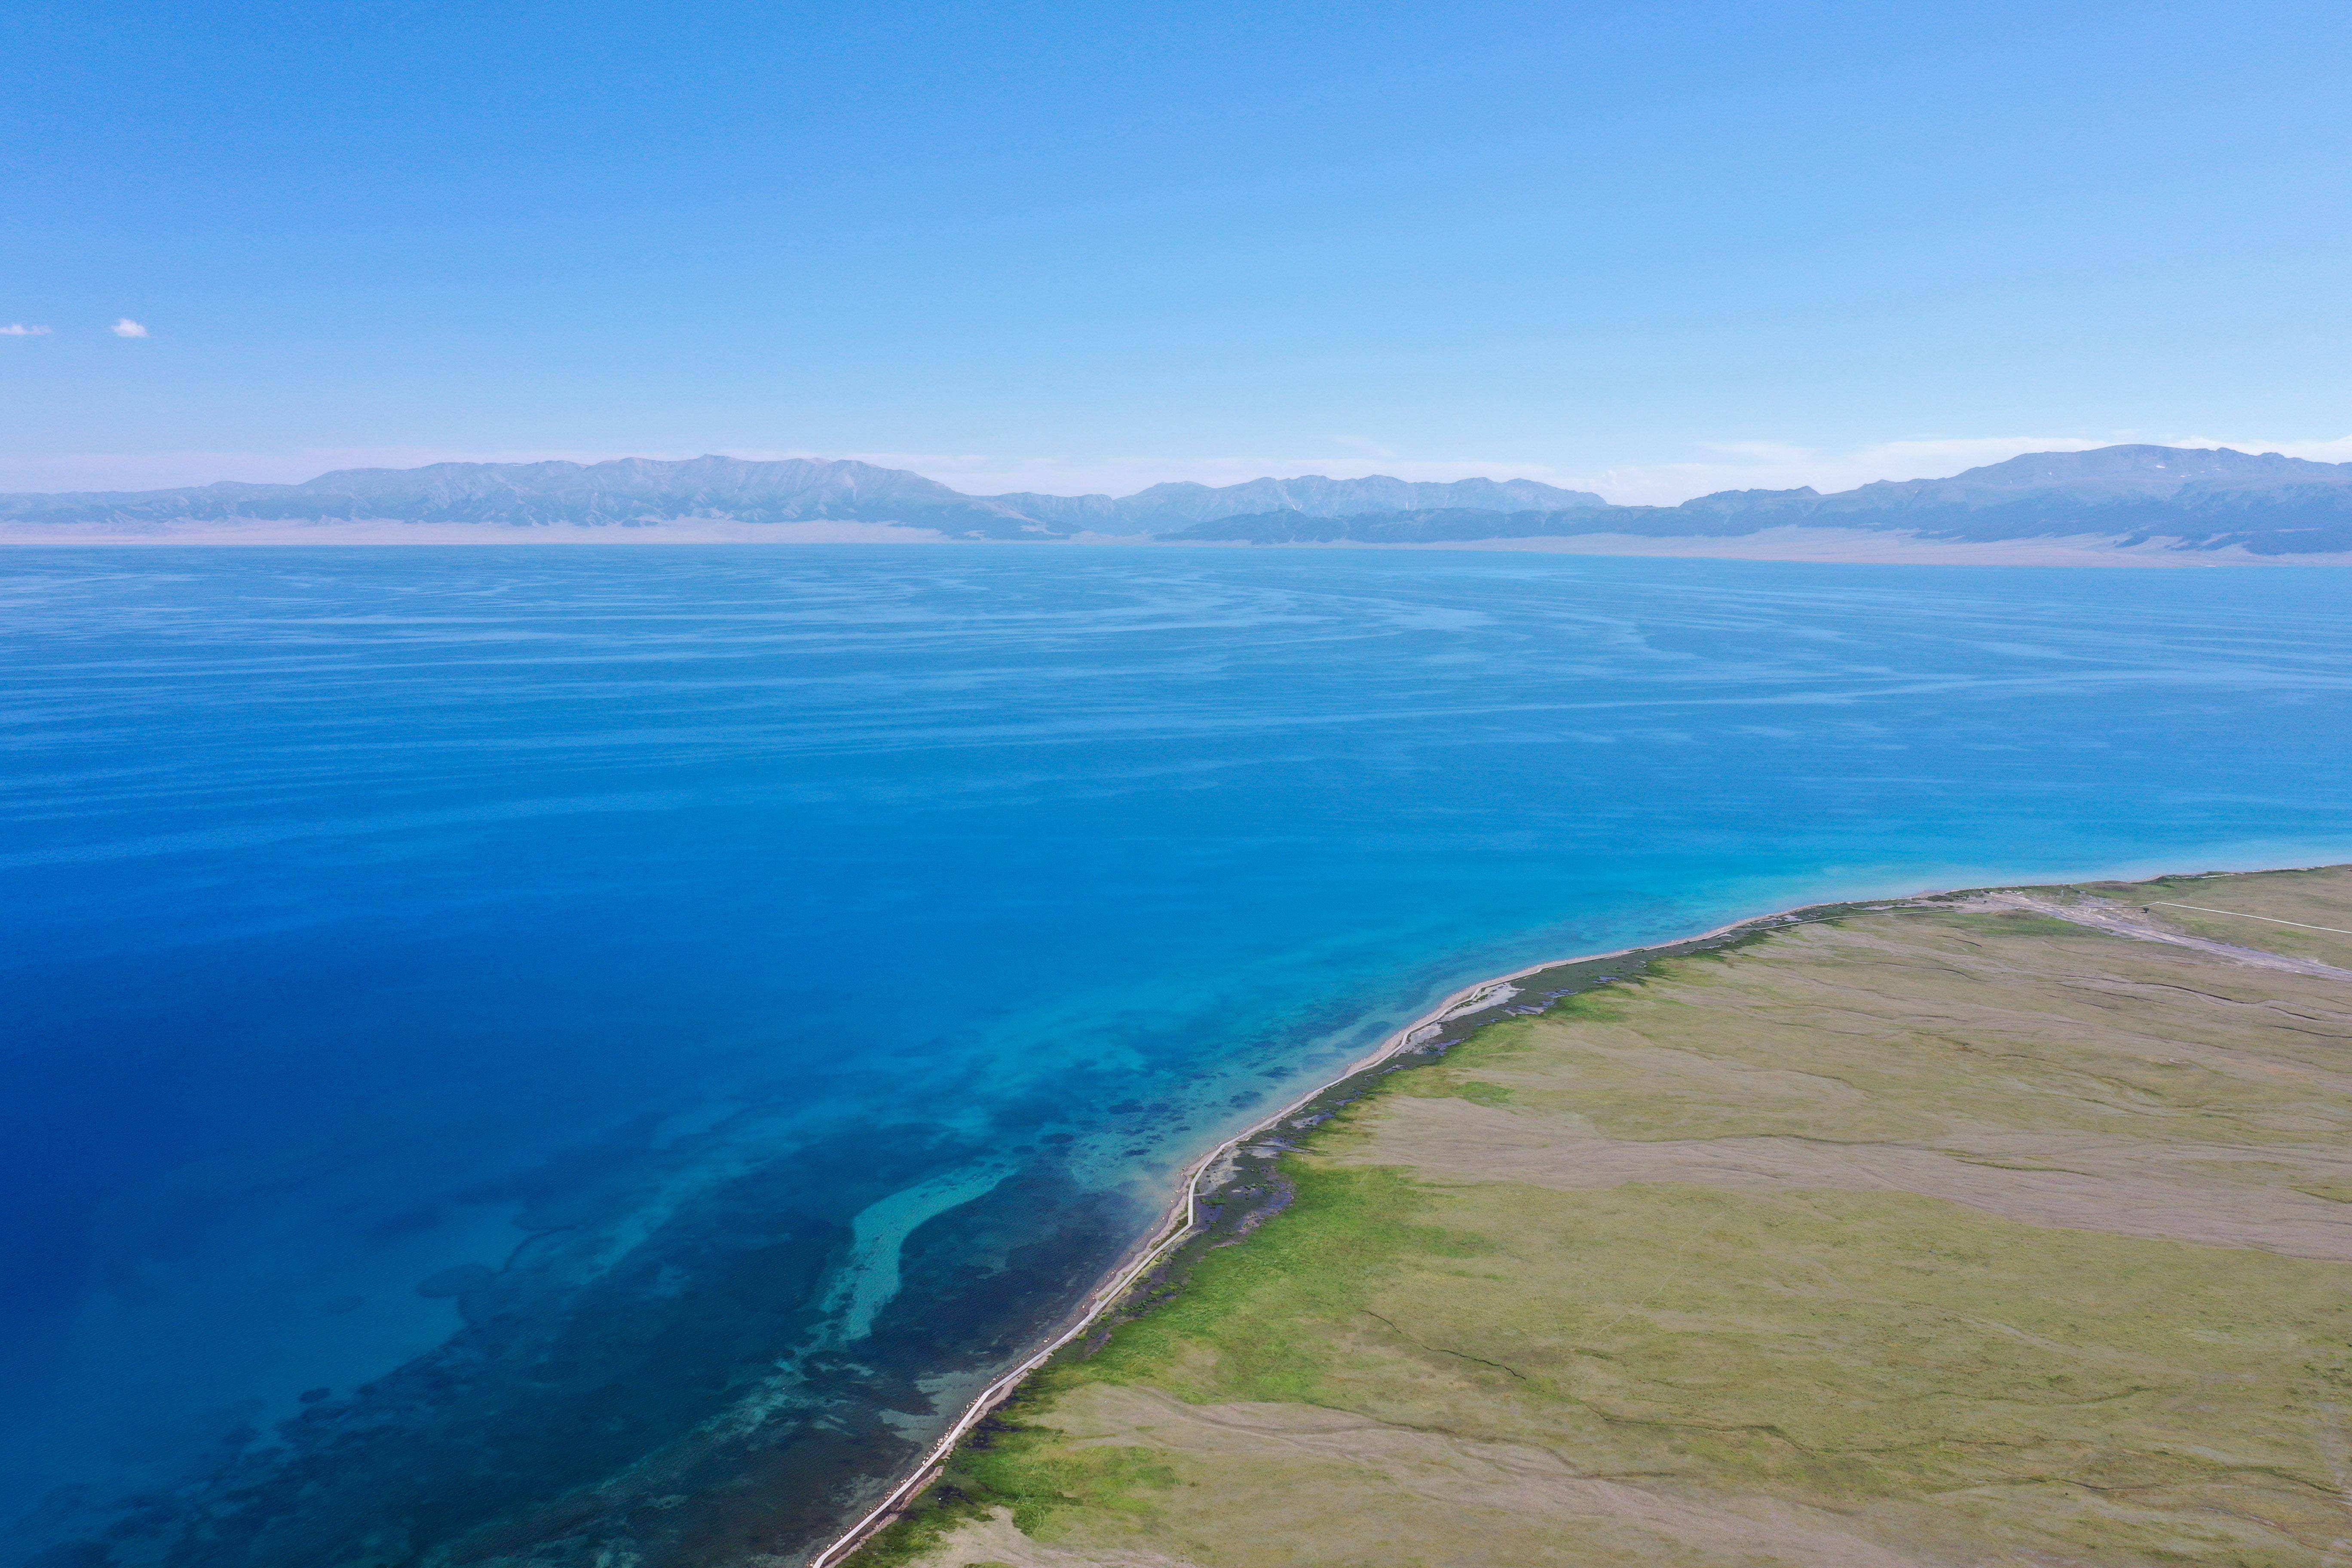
(1483, 1001)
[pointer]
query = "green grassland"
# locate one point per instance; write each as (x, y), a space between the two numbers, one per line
(2307, 899)
(1925, 1236)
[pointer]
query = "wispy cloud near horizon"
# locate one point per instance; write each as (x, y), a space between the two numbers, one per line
(35, 471)
(19, 330)
(127, 328)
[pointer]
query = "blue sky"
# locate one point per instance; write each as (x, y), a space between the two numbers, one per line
(1656, 248)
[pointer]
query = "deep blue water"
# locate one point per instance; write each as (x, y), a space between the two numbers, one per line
(751, 991)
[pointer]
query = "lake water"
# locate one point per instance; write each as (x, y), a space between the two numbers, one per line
(587, 1055)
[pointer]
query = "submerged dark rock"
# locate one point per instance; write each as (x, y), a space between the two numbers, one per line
(688, 1405)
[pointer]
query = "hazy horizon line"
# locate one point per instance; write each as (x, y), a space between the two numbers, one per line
(1722, 466)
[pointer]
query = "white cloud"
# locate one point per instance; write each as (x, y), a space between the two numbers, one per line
(19, 329)
(127, 328)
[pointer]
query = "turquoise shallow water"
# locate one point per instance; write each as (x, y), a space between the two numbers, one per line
(527, 1054)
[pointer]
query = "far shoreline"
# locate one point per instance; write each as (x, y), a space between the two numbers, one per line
(1787, 544)
(1426, 1039)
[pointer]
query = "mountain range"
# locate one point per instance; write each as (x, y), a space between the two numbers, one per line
(2165, 497)
(2186, 497)
(737, 490)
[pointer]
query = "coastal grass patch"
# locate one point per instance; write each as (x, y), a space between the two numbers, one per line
(1263, 1320)
(2309, 899)
(1026, 1473)
(1845, 1346)
(1904, 1027)
(1912, 1368)
(2012, 922)
(1417, 1363)
(1251, 1322)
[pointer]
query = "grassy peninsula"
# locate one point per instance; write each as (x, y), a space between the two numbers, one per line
(2009, 1228)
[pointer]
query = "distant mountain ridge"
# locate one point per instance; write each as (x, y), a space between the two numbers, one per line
(1169, 507)
(625, 491)
(2193, 498)
(2183, 498)
(632, 490)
